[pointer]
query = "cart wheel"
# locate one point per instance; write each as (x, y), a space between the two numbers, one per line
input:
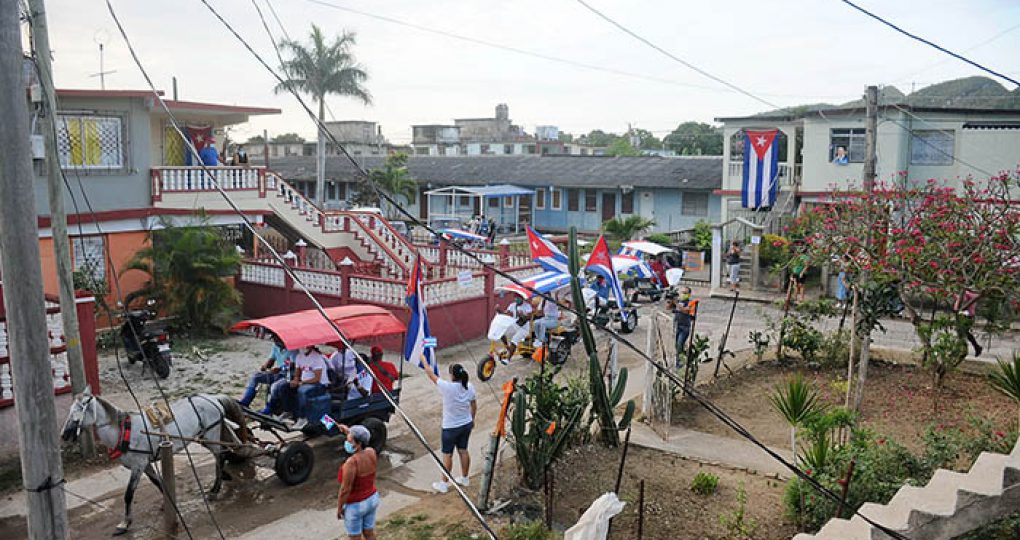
(629, 323)
(486, 368)
(561, 353)
(294, 463)
(634, 297)
(377, 428)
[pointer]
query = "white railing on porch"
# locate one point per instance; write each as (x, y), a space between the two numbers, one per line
(262, 273)
(177, 179)
(736, 170)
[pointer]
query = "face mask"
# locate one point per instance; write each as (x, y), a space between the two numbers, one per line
(685, 297)
(349, 447)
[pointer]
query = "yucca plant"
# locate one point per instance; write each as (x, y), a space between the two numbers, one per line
(797, 401)
(1006, 379)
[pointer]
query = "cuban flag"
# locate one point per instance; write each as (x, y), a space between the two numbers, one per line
(546, 283)
(761, 169)
(419, 345)
(545, 253)
(600, 262)
(633, 263)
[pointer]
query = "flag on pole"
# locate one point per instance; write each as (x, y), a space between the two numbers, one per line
(419, 344)
(545, 253)
(761, 169)
(600, 262)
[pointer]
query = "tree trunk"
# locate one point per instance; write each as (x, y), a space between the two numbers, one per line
(320, 157)
(793, 443)
(862, 370)
(850, 359)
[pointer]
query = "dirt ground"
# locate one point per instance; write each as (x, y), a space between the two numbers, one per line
(897, 403)
(672, 510)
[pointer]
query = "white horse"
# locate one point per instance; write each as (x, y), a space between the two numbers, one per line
(134, 440)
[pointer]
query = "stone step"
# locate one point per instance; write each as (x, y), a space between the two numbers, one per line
(845, 529)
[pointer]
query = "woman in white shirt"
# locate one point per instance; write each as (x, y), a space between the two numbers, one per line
(459, 409)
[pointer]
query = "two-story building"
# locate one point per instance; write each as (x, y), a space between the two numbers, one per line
(823, 149)
(121, 154)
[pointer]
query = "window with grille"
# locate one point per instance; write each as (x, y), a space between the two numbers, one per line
(508, 149)
(932, 147)
(572, 200)
(851, 141)
(694, 204)
(557, 203)
(90, 142)
(591, 200)
(90, 256)
(540, 199)
(627, 203)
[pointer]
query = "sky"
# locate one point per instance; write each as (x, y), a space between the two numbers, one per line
(786, 52)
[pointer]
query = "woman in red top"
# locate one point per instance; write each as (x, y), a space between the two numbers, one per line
(358, 499)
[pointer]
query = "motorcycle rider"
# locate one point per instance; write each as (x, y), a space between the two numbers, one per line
(521, 311)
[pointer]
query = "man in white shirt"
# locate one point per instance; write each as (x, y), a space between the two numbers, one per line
(311, 377)
(344, 364)
(550, 319)
(360, 385)
(521, 311)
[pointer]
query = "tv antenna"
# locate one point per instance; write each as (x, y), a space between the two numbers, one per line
(101, 37)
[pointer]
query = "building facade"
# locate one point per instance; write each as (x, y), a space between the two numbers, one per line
(822, 151)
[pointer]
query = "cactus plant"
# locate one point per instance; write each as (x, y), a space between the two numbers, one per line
(604, 402)
(545, 415)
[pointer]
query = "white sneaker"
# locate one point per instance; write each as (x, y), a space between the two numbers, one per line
(464, 481)
(440, 487)
(301, 423)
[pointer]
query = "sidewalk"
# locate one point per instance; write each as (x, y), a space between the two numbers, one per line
(711, 449)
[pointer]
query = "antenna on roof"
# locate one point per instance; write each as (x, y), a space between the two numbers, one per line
(101, 37)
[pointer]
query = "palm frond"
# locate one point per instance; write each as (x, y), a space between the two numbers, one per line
(1006, 378)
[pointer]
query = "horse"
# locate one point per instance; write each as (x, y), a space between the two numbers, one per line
(133, 439)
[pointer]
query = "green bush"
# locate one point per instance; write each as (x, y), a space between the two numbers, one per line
(529, 530)
(705, 483)
(702, 238)
(834, 349)
(659, 238)
(773, 251)
(802, 337)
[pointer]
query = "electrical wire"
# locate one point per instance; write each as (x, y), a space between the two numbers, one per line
(930, 43)
(676, 58)
(247, 222)
(690, 391)
(91, 275)
(914, 136)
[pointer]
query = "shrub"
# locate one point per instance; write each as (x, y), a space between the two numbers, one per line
(737, 522)
(943, 345)
(802, 337)
(702, 238)
(660, 238)
(834, 349)
(705, 483)
(760, 341)
(773, 251)
(529, 530)
(544, 419)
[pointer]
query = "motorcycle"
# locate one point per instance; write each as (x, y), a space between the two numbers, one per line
(603, 312)
(147, 341)
(502, 327)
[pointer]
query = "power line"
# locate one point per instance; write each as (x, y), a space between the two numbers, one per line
(928, 143)
(247, 222)
(929, 43)
(577, 310)
(674, 57)
(968, 49)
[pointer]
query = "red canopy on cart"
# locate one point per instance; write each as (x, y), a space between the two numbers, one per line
(308, 327)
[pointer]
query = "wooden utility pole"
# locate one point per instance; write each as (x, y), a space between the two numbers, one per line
(870, 168)
(58, 217)
(41, 470)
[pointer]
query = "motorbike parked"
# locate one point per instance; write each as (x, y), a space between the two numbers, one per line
(147, 340)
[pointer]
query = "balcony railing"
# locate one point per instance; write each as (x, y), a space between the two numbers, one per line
(191, 179)
(736, 170)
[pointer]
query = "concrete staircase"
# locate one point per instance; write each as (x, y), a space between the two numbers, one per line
(950, 505)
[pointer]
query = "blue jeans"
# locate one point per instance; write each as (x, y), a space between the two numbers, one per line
(682, 334)
(305, 393)
(543, 325)
(261, 377)
(281, 397)
(361, 515)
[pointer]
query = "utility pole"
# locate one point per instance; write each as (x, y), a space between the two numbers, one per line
(58, 216)
(870, 168)
(41, 469)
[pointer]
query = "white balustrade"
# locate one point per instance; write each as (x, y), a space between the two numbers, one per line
(377, 291)
(58, 364)
(446, 291)
(177, 179)
(6, 381)
(262, 274)
(319, 282)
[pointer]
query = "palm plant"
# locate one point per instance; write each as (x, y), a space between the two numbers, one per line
(319, 68)
(188, 269)
(797, 401)
(394, 179)
(1006, 379)
(627, 228)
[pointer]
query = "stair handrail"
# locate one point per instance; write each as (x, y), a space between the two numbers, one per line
(383, 246)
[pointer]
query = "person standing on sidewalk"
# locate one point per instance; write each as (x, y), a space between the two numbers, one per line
(459, 408)
(358, 498)
(733, 262)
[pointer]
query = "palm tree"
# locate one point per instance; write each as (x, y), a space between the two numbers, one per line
(798, 403)
(1006, 379)
(394, 179)
(317, 69)
(627, 228)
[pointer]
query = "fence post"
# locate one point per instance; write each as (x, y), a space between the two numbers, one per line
(166, 459)
(504, 253)
(85, 304)
(346, 268)
(490, 290)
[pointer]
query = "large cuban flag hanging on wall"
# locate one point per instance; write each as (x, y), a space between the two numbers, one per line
(761, 169)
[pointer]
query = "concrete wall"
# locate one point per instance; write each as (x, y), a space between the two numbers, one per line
(109, 190)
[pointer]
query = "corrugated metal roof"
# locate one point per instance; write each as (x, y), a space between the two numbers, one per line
(688, 172)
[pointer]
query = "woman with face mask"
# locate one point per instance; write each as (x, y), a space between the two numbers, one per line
(358, 498)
